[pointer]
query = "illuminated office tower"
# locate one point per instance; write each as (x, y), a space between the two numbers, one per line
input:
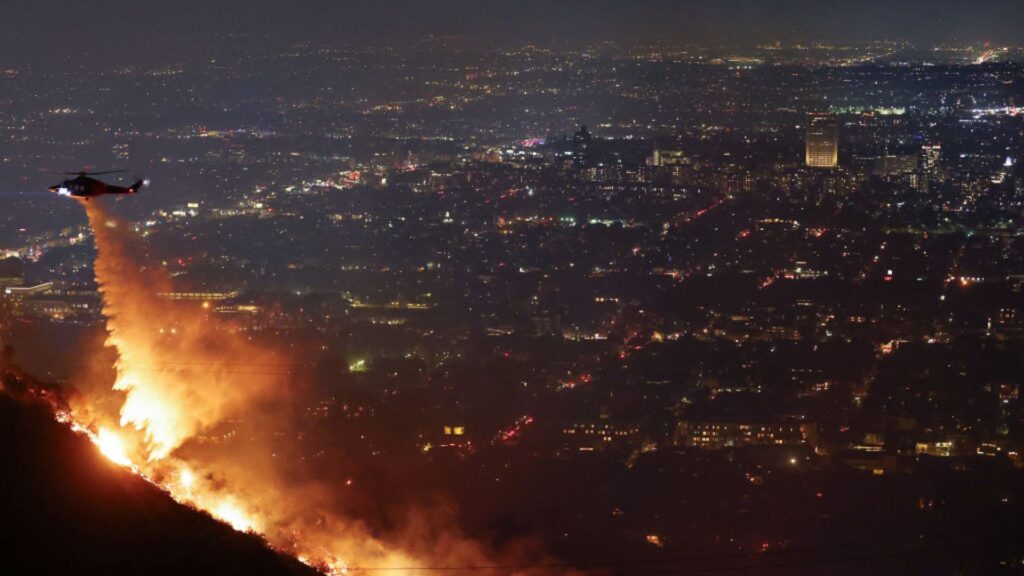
(822, 143)
(930, 154)
(663, 157)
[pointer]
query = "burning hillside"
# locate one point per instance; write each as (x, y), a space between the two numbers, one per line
(180, 375)
(68, 510)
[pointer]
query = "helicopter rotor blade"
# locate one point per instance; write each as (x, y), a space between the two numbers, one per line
(94, 173)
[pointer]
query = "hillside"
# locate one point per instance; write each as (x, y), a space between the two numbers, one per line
(66, 509)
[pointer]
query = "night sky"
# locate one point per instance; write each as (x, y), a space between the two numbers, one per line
(45, 25)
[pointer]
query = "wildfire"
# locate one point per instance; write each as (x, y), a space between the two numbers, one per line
(177, 380)
(178, 383)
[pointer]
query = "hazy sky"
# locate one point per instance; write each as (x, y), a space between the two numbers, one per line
(70, 22)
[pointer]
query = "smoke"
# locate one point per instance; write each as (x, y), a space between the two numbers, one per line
(176, 365)
(182, 376)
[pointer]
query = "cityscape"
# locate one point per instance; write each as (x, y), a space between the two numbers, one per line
(617, 306)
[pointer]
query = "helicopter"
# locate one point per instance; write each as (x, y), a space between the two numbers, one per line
(85, 186)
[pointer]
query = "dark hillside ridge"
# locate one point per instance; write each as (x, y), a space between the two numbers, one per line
(66, 509)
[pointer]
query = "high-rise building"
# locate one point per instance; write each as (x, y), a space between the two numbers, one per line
(891, 165)
(581, 152)
(663, 157)
(930, 155)
(929, 166)
(822, 142)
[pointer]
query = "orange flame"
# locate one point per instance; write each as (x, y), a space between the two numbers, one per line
(112, 446)
(174, 362)
(178, 368)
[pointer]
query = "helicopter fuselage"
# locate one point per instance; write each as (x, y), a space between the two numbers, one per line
(85, 187)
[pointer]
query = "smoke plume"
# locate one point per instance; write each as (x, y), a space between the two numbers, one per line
(176, 366)
(183, 374)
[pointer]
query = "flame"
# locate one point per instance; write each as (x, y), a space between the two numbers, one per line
(179, 376)
(186, 479)
(175, 363)
(230, 512)
(112, 446)
(178, 370)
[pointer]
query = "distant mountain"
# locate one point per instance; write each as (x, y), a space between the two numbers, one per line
(64, 509)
